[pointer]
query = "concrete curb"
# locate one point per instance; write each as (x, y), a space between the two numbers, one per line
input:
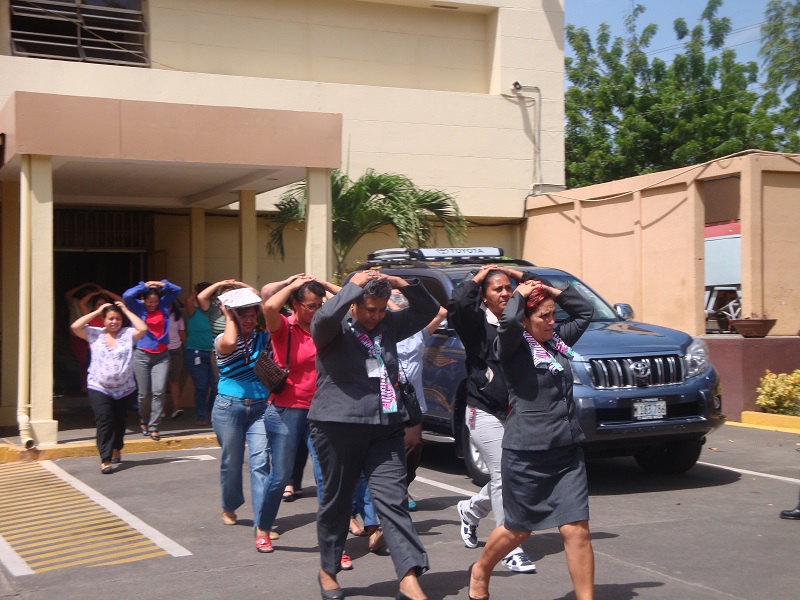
(10, 453)
(763, 420)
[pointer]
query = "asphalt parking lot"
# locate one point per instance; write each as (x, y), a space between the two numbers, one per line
(711, 534)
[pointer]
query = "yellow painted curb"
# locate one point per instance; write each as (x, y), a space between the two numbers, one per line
(13, 453)
(764, 420)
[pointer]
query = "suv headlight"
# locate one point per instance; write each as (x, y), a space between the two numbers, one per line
(696, 358)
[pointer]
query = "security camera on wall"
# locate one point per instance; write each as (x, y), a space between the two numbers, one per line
(516, 86)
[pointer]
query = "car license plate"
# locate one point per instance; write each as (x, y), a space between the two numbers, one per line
(649, 409)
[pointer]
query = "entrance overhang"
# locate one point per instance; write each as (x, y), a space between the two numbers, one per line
(155, 154)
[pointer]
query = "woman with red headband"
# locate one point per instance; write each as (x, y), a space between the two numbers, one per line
(542, 464)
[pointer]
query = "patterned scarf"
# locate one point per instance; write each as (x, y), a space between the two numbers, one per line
(388, 397)
(542, 357)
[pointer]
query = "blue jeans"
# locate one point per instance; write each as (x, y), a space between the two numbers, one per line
(362, 503)
(235, 424)
(198, 364)
(286, 427)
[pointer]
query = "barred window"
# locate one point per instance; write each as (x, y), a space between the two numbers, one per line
(98, 31)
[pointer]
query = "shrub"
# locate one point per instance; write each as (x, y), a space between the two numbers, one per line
(780, 393)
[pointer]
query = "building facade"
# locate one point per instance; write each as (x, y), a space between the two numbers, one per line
(146, 138)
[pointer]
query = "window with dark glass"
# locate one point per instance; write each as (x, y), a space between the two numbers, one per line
(98, 31)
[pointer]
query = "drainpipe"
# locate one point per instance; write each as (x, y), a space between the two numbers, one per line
(517, 88)
(24, 356)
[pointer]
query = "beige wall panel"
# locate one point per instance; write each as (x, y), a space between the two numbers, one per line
(449, 79)
(781, 206)
(515, 23)
(173, 55)
(517, 53)
(168, 24)
(334, 70)
(667, 258)
(543, 237)
(609, 246)
(358, 45)
(454, 53)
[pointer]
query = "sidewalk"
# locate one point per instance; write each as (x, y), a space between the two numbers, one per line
(76, 434)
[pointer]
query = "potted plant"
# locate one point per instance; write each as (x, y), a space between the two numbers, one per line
(754, 326)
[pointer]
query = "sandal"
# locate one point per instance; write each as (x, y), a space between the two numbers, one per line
(145, 432)
(155, 435)
(263, 545)
(355, 528)
(376, 541)
(346, 563)
(288, 496)
(108, 470)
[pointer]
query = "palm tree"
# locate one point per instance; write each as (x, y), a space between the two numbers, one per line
(365, 205)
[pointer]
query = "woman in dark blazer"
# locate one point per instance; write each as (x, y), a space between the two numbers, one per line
(357, 420)
(543, 468)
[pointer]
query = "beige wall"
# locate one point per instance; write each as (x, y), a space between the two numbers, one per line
(171, 240)
(640, 240)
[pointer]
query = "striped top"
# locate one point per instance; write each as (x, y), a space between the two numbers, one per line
(237, 377)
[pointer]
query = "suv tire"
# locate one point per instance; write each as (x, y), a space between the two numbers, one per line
(476, 466)
(672, 458)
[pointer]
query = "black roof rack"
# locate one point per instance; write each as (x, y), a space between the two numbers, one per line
(423, 257)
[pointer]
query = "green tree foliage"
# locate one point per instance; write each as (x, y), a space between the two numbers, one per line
(628, 114)
(780, 51)
(363, 206)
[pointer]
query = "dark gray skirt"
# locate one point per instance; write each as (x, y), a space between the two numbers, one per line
(544, 488)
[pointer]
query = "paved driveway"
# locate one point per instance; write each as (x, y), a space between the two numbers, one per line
(711, 534)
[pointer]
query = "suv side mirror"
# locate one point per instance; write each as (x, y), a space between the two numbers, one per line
(625, 311)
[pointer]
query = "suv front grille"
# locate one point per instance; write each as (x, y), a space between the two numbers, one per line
(612, 373)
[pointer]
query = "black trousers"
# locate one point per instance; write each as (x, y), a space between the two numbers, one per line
(344, 451)
(110, 415)
(413, 442)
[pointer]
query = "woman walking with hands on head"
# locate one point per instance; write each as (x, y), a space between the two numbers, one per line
(543, 469)
(110, 381)
(150, 301)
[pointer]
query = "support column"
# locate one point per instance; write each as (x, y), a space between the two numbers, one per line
(696, 272)
(248, 238)
(319, 224)
(197, 246)
(36, 193)
(9, 266)
(750, 195)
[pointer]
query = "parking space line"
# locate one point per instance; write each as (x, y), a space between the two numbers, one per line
(444, 486)
(51, 520)
(753, 473)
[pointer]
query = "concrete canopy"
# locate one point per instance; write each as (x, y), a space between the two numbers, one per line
(154, 154)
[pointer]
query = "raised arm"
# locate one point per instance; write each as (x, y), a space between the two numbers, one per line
(226, 342)
(278, 296)
(327, 323)
(139, 326)
(170, 293)
(205, 297)
(437, 320)
(79, 326)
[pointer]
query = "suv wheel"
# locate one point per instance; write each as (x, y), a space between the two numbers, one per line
(476, 466)
(672, 458)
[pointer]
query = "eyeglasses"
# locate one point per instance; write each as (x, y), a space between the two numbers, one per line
(311, 307)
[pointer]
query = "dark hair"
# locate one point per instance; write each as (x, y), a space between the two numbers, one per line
(152, 291)
(489, 275)
(199, 287)
(100, 296)
(175, 309)
(112, 308)
(376, 288)
(535, 299)
(309, 287)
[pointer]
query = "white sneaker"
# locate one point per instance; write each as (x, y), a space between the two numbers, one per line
(177, 413)
(469, 532)
(519, 563)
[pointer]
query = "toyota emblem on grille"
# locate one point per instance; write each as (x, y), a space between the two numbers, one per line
(640, 369)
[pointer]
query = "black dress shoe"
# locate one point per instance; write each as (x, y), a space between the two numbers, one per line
(337, 594)
(793, 514)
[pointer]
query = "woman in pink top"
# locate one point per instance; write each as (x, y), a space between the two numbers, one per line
(286, 418)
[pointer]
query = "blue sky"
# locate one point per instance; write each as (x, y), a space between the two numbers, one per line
(745, 15)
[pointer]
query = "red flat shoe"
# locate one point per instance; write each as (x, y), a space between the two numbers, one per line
(263, 545)
(347, 563)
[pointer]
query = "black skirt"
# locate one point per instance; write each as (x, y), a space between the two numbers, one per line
(544, 488)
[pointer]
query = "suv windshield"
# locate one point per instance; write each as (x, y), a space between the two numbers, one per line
(603, 313)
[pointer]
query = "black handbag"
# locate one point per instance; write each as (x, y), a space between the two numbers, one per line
(269, 372)
(408, 396)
